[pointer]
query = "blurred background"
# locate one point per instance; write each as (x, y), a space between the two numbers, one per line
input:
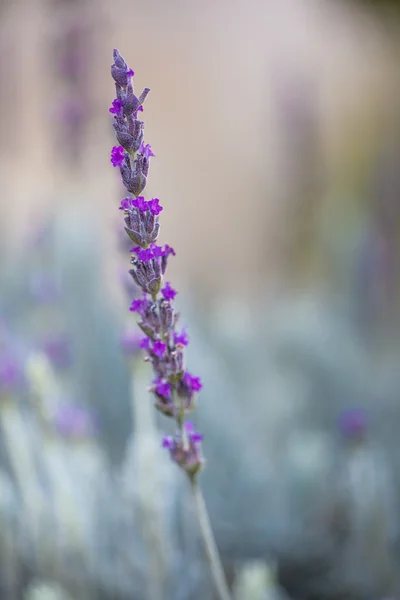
(276, 129)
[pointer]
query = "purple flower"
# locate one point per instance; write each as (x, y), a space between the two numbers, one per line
(116, 107)
(130, 73)
(163, 388)
(140, 108)
(146, 255)
(138, 305)
(145, 343)
(188, 457)
(193, 383)
(168, 442)
(169, 250)
(193, 435)
(126, 204)
(140, 203)
(154, 206)
(168, 292)
(146, 150)
(159, 348)
(181, 338)
(117, 156)
(158, 251)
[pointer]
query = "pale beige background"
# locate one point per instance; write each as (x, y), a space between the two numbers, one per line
(218, 71)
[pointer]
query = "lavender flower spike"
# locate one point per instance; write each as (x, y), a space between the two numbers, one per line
(174, 388)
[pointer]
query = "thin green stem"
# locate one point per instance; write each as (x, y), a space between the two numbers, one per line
(210, 546)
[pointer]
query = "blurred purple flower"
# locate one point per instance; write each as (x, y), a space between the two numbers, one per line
(163, 388)
(71, 112)
(353, 423)
(192, 433)
(192, 383)
(10, 373)
(168, 442)
(145, 343)
(188, 456)
(181, 338)
(58, 350)
(73, 421)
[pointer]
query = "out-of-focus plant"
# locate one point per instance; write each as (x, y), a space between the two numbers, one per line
(71, 52)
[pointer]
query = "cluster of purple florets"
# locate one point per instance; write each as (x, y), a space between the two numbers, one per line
(174, 387)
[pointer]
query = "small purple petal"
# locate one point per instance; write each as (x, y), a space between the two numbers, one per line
(193, 383)
(194, 436)
(159, 348)
(163, 389)
(157, 251)
(168, 442)
(168, 292)
(146, 150)
(181, 338)
(145, 343)
(154, 206)
(138, 305)
(140, 203)
(169, 250)
(126, 203)
(146, 255)
(116, 107)
(117, 156)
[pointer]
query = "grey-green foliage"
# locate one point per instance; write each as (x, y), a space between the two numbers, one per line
(279, 482)
(99, 368)
(274, 430)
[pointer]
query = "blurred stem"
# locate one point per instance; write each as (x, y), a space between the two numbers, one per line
(210, 546)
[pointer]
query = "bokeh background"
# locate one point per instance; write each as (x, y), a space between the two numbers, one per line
(276, 129)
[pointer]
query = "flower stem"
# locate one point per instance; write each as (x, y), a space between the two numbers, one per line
(210, 546)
